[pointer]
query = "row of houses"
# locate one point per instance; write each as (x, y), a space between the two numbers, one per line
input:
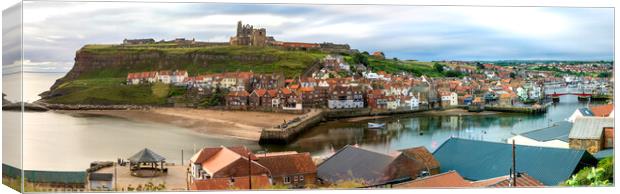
(232, 81)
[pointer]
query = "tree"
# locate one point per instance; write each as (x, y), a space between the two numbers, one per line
(438, 67)
(602, 175)
(453, 73)
(604, 74)
(216, 98)
(513, 75)
(359, 58)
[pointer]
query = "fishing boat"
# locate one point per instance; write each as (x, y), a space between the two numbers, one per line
(376, 125)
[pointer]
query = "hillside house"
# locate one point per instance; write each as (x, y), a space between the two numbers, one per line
(237, 99)
(178, 76)
(345, 97)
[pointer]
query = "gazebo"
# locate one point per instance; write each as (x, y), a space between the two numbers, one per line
(147, 163)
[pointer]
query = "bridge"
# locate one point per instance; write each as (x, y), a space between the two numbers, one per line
(583, 94)
(580, 96)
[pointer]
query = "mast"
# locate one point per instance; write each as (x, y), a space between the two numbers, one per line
(514, 165)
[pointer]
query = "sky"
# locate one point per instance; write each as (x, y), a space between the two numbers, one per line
(55, 30)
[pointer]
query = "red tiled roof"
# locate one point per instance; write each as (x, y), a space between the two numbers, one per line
(238, 93)
(258, 182)
(306, 89)
(523, 180)
(260, 92)
(285, 91)
(423, 155)
(288, 164)
(447, 179)
(602, 110)
(272, 93)
(453, 179)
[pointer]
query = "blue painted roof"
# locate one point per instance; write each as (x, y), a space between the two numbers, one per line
(559, 131)
(478, 160)
(604, 154)
(586, 112)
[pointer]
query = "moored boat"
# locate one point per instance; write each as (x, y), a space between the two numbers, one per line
(376, 125)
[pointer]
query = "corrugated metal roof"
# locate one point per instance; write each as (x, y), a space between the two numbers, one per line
(351, 163)
(478, 160)
(34, 176)
(590, 127)
(559, 131)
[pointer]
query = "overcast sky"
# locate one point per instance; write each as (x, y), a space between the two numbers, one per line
(55, 30)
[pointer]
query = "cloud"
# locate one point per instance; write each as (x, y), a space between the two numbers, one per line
(406, 32)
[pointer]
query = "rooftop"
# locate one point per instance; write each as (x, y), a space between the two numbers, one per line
(559, 131)
(590, 127)
(479, 160)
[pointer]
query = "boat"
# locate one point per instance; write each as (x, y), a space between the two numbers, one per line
(376, 125)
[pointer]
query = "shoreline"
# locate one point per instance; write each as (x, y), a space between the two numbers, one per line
(457, 112)
(210, 122)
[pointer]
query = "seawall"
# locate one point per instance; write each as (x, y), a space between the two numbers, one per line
(288, 133)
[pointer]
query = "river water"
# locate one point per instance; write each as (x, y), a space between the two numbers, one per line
(53, 141)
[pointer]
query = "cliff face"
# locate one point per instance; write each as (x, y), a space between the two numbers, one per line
(117, 62)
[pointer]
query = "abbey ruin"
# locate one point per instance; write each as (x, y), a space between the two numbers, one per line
(248, 35)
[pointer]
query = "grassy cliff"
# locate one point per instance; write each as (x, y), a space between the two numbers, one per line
(99, 72)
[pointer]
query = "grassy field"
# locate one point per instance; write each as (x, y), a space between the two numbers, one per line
(418, 68)
(268, 59)
(107, 91)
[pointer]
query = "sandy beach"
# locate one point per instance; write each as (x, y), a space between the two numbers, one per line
(238, 124)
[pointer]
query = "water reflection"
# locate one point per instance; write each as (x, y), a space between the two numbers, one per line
(426, 130)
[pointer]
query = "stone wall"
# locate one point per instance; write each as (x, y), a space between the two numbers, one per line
(590, 145)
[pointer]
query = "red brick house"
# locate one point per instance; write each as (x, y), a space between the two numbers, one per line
(237, 99)
(295, 170)
(255, 98)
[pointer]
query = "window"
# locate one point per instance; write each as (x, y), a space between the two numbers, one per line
(301, 177)
(295, 179)
(287, 180)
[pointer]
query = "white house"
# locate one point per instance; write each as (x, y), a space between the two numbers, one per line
(454, 99)
(178, 77)
(393, 103)
(344, 66)
(580, 112)
(165, 77)
(411, 102)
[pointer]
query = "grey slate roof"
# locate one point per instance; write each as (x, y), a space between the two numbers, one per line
(146, 155)
(351, 163)
(479, 160)
(559, 131)
(590, 127)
